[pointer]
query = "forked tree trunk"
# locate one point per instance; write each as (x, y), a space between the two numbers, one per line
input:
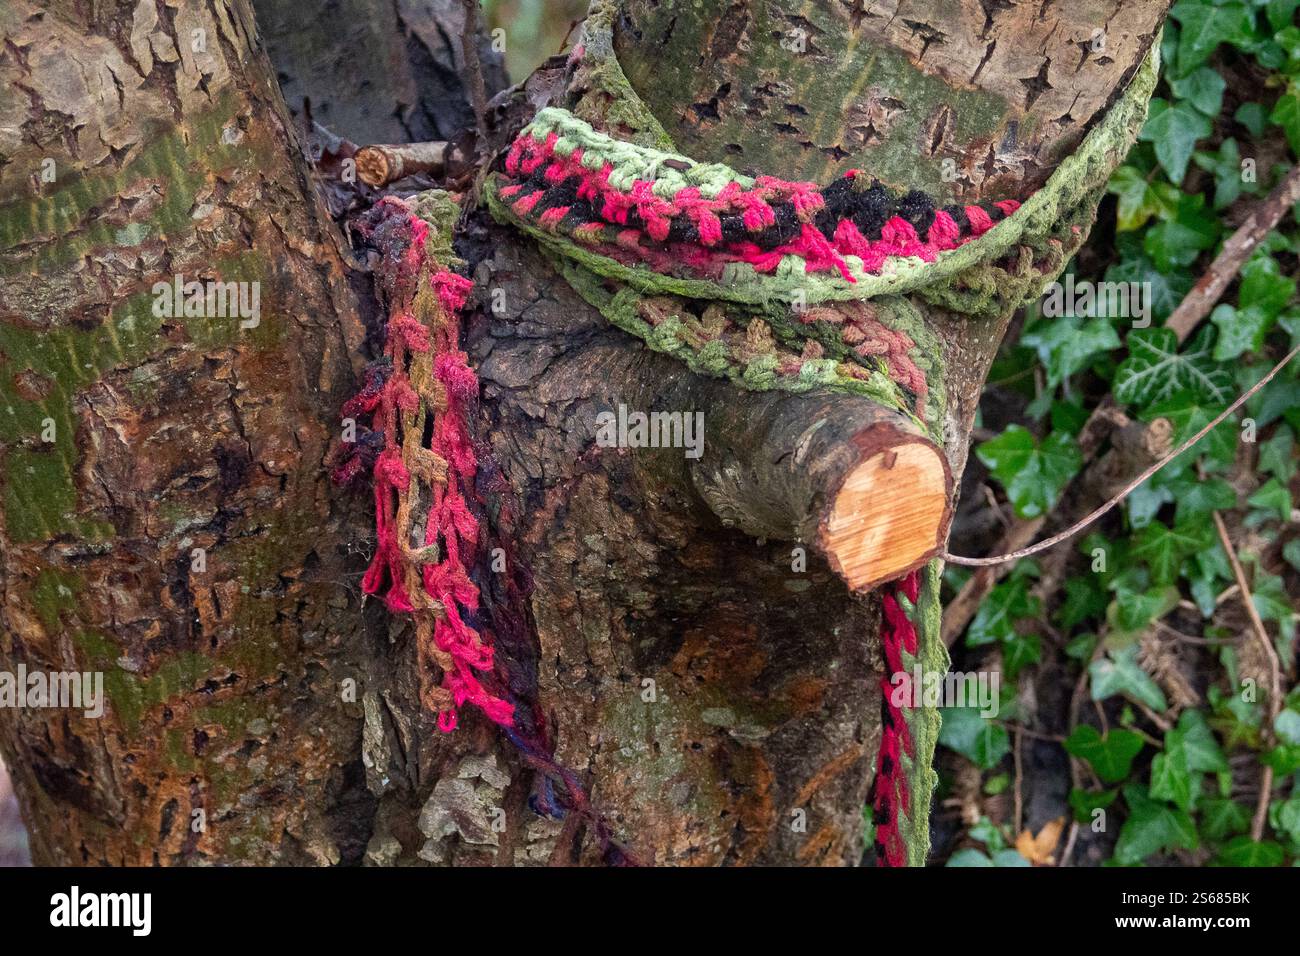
(178, 532)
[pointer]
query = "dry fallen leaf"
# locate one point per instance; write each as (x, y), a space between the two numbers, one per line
(1038, 849)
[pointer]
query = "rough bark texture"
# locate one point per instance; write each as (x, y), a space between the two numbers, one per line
(375, 71)
(1002, 89)
(172, 154)
(718, 695)
(638, 580)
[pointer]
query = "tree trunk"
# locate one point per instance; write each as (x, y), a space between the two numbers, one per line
(167, 518)
(707, 673)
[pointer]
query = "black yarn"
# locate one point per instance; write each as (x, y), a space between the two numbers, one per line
(918, 209)
(869, 209)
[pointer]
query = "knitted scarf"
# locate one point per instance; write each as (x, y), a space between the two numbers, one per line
(802, 287)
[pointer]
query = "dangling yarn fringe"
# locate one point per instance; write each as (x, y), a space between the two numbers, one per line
(426, 475)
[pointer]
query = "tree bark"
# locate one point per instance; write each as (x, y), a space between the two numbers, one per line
(167, 519)
(376, 72)
(717, 692)
(998, 90)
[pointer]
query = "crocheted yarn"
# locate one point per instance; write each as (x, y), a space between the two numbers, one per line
(987, 275)
(640, 205)
(437, 499)
(904, 781)
(424, 462)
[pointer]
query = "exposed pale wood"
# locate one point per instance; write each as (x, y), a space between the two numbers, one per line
(380, 165)
(889, 515)
(857, 480)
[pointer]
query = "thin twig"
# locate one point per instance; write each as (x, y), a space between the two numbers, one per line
(1256, 622)
(1274, 672)
(1182, 321)
(1069, 843)
(474, 68)
(1236, 250)
(959, 611)
(1032, 734)
(1128, 489)
(1019, 802)
(1182, 638)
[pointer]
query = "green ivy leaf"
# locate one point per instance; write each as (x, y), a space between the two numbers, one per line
(1139, 198)
(1067, 343)
(988, 833)
(1279, 397)
(1281, 13)
(1190, 750)
(978, 739)
(1152, 826)
(1170, 778)
(1111, 756)
(1203, 88)
(1084, 601)
(1020, 652)
(973, 857)
(1080, 648)
(1286, 817)
(1276, 456)
(1197, 498)
(1163, 548)
(995, 621)
(1165, 289)
(1009, 858)
(1179, 238)
(1253, 116)
(1155, 370)
(1133, 609)
(1292, 553)
(969, 857)
(1264, 293)
(1289, 321)
(1239, 332)
(1084, 802)
(1068, 417)
(1274, 604)
(1175, 129)
(1120, 673)
(1207, 24)
(1243, 851)
(1194, 736)
(1263, 285)
(1272, 496)
(1284, 760)
(1145, 501)
(1286, 114)
(1287, 727)
(1220, 817)
(1225, 165)
(1033, 474)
